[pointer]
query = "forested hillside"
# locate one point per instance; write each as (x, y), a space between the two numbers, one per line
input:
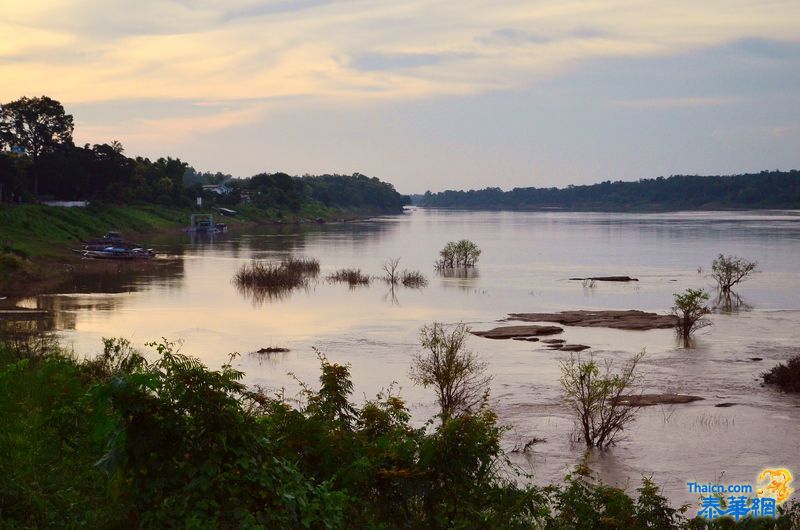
(39, 161)
(768, 189)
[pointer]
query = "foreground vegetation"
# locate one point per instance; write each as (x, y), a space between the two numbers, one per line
(768, 189)
(121, 441)
(785, 376)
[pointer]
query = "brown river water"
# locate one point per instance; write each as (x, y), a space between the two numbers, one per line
(526, 262)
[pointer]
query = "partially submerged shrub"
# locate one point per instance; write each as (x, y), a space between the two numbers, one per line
(352, 277)
(391, 271)
(691, 310)
(593, 394)
(463, 253)
(393, 275)
(413, 279)
(264, 280)
(727, 271)
(306, 266)
(457, 375)
(269, 274)
(785, 376)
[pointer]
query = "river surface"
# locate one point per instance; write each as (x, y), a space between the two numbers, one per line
(527, 260)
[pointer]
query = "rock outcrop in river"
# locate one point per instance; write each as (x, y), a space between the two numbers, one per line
(648, 400)
(518, 332)
(632, 319)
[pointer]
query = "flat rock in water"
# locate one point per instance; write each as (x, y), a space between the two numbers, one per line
(647, 400)
(574, 347)
(724, 405)
(609, 279)
(513, 332)
(527, 339)
(554, 341)
(632, 319)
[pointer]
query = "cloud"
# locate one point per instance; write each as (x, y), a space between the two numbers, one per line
(394, 61)
(671, 103)
(769, 48)
(350, 49)
(454, 89)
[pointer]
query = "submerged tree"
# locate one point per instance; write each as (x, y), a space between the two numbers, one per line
(463, 253)
(691, 309)
(391, 271)
(595, 396)
(727, 271)
(456, 373)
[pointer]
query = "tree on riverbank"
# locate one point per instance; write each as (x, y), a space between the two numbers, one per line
(40, 131)
(36, 125)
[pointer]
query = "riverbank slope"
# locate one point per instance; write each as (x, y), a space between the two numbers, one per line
(36, 240)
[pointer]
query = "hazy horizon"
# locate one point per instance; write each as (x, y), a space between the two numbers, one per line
(425, 95)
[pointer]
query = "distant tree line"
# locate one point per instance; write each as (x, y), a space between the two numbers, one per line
(767, 189)
(38, 159)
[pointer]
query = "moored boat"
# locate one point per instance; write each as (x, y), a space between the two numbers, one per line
(121, 253)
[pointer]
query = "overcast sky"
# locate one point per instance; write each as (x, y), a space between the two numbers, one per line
(425, 94)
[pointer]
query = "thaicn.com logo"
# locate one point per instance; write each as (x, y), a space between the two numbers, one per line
(773, 487)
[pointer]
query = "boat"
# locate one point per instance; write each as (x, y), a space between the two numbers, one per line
(228, 212)
(110, 239)
(113, 252)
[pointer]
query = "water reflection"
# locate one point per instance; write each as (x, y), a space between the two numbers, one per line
(526, 258)
(26, 326)
(125, 277)
(261, 295)
(730, 302)
(459, 277)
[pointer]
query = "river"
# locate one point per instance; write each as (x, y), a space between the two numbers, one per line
(525, 265)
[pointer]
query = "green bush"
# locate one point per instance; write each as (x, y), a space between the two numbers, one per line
(122, 442)
(785, 376)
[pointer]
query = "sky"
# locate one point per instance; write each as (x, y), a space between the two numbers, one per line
(428, 95)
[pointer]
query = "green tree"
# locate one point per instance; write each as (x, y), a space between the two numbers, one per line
(457, 374)
(690, 308)
(727, 271)
(38, 125)
(463, 254)
(594, 395)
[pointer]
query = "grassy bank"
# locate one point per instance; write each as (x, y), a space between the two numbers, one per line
(35, 230)
(34, 238)
(124, 442)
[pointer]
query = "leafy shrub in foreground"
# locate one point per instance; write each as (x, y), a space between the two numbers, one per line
(191, 447)
(785, 376)
(191, 456)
